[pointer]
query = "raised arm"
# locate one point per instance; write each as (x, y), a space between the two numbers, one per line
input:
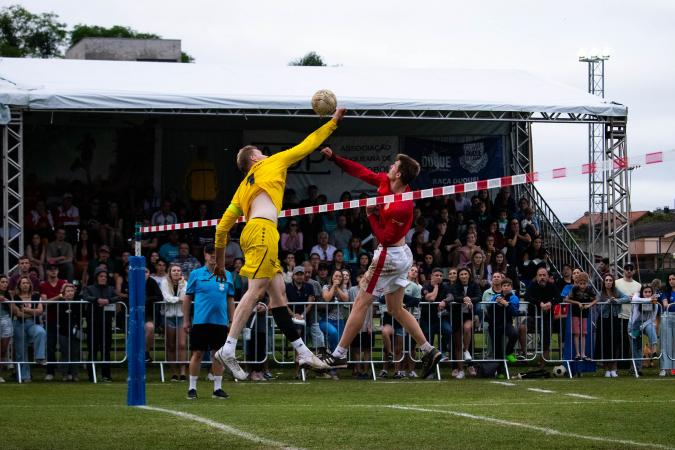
(223, 228)
(353, 168)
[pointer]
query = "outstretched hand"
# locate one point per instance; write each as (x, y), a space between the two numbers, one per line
(219, 273)
(327, 152)
(339, 114)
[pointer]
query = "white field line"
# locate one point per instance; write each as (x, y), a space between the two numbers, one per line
(589, 397)
(502, 383)
(541, 391)
(222, 427)
(545, 430)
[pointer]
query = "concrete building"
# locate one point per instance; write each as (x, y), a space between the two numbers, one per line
(126, 49)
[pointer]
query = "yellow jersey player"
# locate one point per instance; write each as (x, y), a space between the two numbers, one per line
(259, 198)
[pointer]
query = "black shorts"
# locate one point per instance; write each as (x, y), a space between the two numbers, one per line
(387, 319)
(207, 336)
(363, 341)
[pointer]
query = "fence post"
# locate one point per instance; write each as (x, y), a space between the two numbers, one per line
(136, 337)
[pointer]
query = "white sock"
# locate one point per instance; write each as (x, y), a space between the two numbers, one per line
(217, 383)
(339, 352)
(230, 346)
(193, 382)
(300, 347)
(426, 347)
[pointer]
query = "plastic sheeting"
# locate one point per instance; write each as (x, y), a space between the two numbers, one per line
(54, 84)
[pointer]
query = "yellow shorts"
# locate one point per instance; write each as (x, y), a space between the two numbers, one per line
(260, 245)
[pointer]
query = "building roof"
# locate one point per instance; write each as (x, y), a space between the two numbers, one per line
(58, 84)
(584, 220)
(653, 229)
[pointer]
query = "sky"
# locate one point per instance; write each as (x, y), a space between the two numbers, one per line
(537, 36)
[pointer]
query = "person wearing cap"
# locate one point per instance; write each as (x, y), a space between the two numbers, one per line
(68, 217)
(99, 294)
(300, 296)
(61, 253)
(104, 260)
(50, 290)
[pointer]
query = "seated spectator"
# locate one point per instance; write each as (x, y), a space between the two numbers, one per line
(314, 260)
(323, 248)
(489, 249)
(292, 238)
(329, 223)
(169, 250)
(339, 261)
(203, 236)
(60, 252)
(444, 242)
(419, 228)
(41, 220)
(68, 218)
(151, 201)
(504, 200)
(84, 252)
(462, 204)
(517, 241)
(185, 260)
(69, 333)
(425, 267)
(353, 251)
(37, 253)
(232, 250)
(164, 216)
(420, 247)
(149, 242)
(644, 309)
(363, 264)
(287, 266)
(99, 320)
(494, 233)
(608, 340)
(466, 293)
(465, 251)
(112, 227)
(484, 196)
(6, 327)
(322, 275)
(341, 235)
(530, 224)
(27, 330)
(312, 196)
(23, 270)
(502, 222)
(582, 298)
(478, 269)
(332, 317)
(500, 317)
(160, 270)
(104, 260)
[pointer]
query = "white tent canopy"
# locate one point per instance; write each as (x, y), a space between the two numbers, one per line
(58, 84)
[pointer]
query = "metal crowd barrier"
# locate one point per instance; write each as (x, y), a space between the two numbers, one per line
(667, 338)
(171, 345)
(68, 333)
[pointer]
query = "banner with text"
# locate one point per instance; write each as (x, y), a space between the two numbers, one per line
(446, 163)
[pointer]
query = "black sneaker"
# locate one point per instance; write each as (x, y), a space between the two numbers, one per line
(218, 393)
(430, 361)
(106, 379)
(174, 378)
(192, 394)
(183, 378)
(148, 358)
(334, 362)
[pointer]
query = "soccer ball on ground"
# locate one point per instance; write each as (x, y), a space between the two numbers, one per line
(559, 371)
(324, 102)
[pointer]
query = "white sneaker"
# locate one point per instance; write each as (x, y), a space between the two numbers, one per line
(231, 364)
(49, 377)
(412, 374)
(608, 374)
(467, 356)
(662, 373)
(614, 374)
(460, 375)
(311, 360)
(2, 380)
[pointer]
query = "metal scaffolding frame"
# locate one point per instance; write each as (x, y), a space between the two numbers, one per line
(12, 190)
(521, 162)
(618, 195)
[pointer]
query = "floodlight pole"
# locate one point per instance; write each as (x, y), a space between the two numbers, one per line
(597, 183)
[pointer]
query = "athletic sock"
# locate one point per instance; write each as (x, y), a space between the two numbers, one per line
(285, 323)
(426, 347)
(300, 347)
(217, 383)
(339, 352)
(193, 382)
(230, 346)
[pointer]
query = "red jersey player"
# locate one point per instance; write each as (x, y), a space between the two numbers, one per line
(387, 275)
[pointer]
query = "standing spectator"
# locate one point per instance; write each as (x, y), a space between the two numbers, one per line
(103, 260)
(332, 319)
(70, 325)
(99, 320)
(341, 235)
(291, 239)
(566, 278)
(26, 327)
(362, 346)
(667, 327)
(84, 252)
(500, 317)
(36, 253)
(164, 216)
(541, 296)
(644, 307)
(608, 341)
(41, 220)
(435, 310)
(24, 271)
(68, 218)
(312, 317)
(169, 250)
(323, 248)
(300, 296)
(153, 294)
(60, 252)
(185, 260)
(213, 307)
(50, 291)
(173, 290)
(466, 293)
(6, 328)
(582, 298)
(627, 286)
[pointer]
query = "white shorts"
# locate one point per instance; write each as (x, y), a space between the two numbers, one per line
(389, 270)
(6, 328)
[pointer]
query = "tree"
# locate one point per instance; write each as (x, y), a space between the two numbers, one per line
(23, 33)
(310, 59)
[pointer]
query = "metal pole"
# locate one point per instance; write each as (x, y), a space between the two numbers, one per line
(136, 338)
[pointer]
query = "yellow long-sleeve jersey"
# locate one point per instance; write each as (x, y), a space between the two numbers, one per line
(268, 175)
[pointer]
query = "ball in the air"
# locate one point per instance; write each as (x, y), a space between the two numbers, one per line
(324, 102)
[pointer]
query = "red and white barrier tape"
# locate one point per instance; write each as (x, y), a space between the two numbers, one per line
(554, 174)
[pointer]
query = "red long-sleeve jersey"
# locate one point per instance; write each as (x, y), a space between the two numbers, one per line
(395, 219)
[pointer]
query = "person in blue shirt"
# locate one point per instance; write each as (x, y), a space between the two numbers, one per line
(668, 328)
(500, 317)
(213, 307)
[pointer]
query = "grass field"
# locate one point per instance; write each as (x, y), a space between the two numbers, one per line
(591, 412)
